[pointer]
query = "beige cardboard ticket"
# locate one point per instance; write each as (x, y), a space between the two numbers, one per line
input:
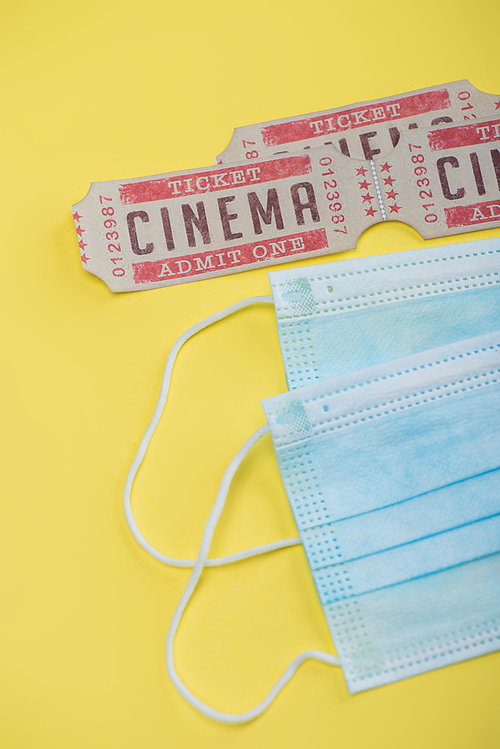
(443, 181)
(184, 226)
(365, 130)
(173, 228)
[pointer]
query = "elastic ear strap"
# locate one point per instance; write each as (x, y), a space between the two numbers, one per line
(160, 405)
(206, 540)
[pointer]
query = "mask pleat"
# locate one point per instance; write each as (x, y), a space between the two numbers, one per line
(407, 521)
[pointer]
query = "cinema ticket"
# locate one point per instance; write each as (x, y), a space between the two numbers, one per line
(363, 131)
(184, 226)
(444, 181)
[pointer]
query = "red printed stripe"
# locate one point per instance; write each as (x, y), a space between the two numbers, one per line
(347, 119)
(470, 215)
(233, 257)
(464, 135)
(213, 180)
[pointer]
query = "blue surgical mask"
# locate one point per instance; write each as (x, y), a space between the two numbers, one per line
(378, 508)
(336, 317)
(393, 476)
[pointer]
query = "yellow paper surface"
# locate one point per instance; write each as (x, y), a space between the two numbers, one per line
(104, 90)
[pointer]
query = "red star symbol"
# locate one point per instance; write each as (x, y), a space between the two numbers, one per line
(385, 167)
(81, 244)
(370, 211)
(368, 198)
(497, 104)
(364, 185)
(395, 208)
(79, 231)
(392, 195)
(389, 181)
(85, 258)
(361, 172)
(77, 216)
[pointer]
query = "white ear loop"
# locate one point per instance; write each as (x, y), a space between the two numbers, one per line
(202, 561)
(206, 540)
(160, 405)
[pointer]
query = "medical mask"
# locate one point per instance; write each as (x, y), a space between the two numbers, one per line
(336, 317)
(393, 476)
(333, 319)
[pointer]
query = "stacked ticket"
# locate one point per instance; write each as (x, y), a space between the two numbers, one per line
(314, 198)
(366, 130)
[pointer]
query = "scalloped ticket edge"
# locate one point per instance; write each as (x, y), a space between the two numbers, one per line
(185, 226)
(365, 130)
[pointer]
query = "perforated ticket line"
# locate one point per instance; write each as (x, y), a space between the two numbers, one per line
(174, 228)
(367, 130)
(378, 190)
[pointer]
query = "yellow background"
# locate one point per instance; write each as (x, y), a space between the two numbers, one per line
(102, 90)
